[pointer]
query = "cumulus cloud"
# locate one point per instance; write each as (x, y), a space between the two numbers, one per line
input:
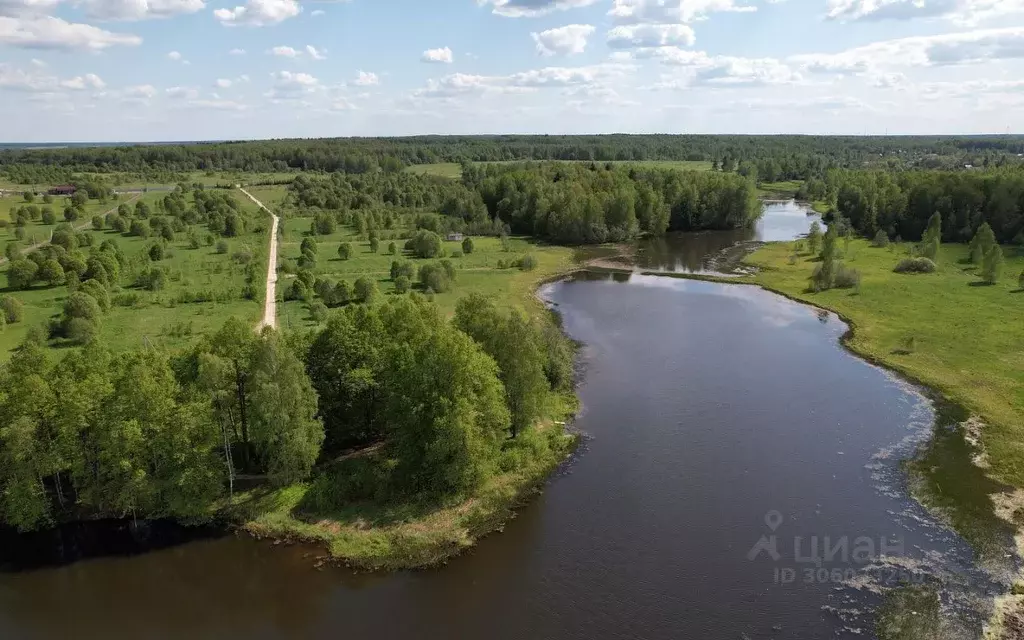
(366, 79)
(141, 91)
(314, 53)
(184, 93)
(174, 55)
(284, 52)
(526, 81)
(704, 69)
(258, 13)
(237, 52)
(442, 55)
(292, 86)
(26, 7)
(961, 11)
(967, 47)
(139, 9)
(48, 32)
(19, 80)
(626, 12)
(650, 35)
(568, 40)
(316, 12)
(532, 8)
(222, 83)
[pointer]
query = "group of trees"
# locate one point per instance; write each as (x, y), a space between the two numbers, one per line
(146, 433)
(901, 204)
(789, 157)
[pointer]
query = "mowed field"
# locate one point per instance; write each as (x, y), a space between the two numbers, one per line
(947, 329)
(161, 318)
(454, 170)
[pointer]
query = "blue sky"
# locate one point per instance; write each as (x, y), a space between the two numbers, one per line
(136, 70)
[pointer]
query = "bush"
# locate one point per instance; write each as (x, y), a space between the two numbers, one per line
(345, 251)
(97, 223)
(49, 217)
(22, 273)
(439, 277)
(1020, 280)
(99, 292)
(401, 269)
(139, 228)
(424, 244)
(467, 246)
(365, 290)
(51, 273)
(222, 246)
(392, 248)
(374, 245)
(847, 278)
(80, 331)
(155, 279)
(881, 240)
(402, 284)
(156, 252)
(915, 265)
(81, 305)
(11, 309)
(323, 224)
(456, 254)
(528, 263)
(318, 311)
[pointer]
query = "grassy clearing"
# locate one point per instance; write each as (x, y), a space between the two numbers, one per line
(407, 534)
(454, 170)
(945, 329)
(158, 318)
(478, 272)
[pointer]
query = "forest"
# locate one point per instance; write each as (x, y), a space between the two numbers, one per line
(901, 204)
(774, 157)
(149, 433)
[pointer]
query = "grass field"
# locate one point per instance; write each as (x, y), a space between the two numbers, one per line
(967, 337)
(159, 318)
(454, 170)
(477, 272)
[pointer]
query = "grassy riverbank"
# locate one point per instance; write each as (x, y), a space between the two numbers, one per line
(945, 329)
(393, 534)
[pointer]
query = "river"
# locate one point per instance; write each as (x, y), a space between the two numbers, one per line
(725, 432)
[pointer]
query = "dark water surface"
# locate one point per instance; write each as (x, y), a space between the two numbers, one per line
(716, 417)
(703, 252)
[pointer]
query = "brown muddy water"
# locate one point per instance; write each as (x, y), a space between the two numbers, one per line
(740, 477)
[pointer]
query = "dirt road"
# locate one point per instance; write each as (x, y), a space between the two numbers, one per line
(270, 306)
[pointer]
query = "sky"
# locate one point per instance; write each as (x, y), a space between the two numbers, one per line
(160, 70)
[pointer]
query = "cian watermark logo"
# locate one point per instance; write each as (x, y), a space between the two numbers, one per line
(815, 558)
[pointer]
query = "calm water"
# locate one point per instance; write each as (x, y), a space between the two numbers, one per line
(706, 251)
(716, 417)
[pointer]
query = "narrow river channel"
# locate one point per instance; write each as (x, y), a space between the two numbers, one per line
(740, 477)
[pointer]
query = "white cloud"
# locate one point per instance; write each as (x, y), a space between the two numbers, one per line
(532, 8)
(139, 9)
(703, 69)
(442, 55)
(48, 32)
(889, 80)
(316, 12)
(292, 86)
(217, 104)
(284, 52)
(237, 52)
(567, 40)
(366, 79)
(650, 35)
(20, 80)
(258, 13)
(26, 7)
(222, 83)
(343, 104)
(523, 82)
(243, 78)
(174, 55)
(140, 91)
(961, 11)
(670, 11)
(187, 93)
(946, 49)
(314, 53)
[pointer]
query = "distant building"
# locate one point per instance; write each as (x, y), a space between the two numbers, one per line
(63, 190)
(454, 237)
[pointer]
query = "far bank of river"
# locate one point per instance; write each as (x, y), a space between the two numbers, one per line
(741, 475)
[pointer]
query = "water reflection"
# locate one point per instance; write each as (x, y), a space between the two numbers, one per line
(712, 251)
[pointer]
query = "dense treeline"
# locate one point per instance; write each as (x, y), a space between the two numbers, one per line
(794, 154)
(146, 433)
(901, 204)
(582, 203)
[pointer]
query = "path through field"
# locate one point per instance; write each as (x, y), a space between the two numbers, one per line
(270, 306)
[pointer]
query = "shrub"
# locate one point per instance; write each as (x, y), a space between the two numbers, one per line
(323, 224)
(12, 251)
(11, 309)
(392, 248)
(345, 251)
(467, 246)
(881, 240)
(99, 292)
(97, 223)
(847, 278)
(318, 311)
(374, 245)
(915, 265)
(308, 246)
(51, 273)
(1020, 280)
(424, 244)
(80, 331)
(119, 224)
(439, 277)
(402, 284)
(155, 279)
(401, 269)
(49, 217)
(456, 254)
(342, 293)
(81, 305)
(243, 256)
(156, 252)
(22, 273)
(528, 263)
(139, 228)
(222, 246)
(992, 265)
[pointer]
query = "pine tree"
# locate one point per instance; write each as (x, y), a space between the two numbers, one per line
(982, 242)
(814, 237)
(932, 237)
